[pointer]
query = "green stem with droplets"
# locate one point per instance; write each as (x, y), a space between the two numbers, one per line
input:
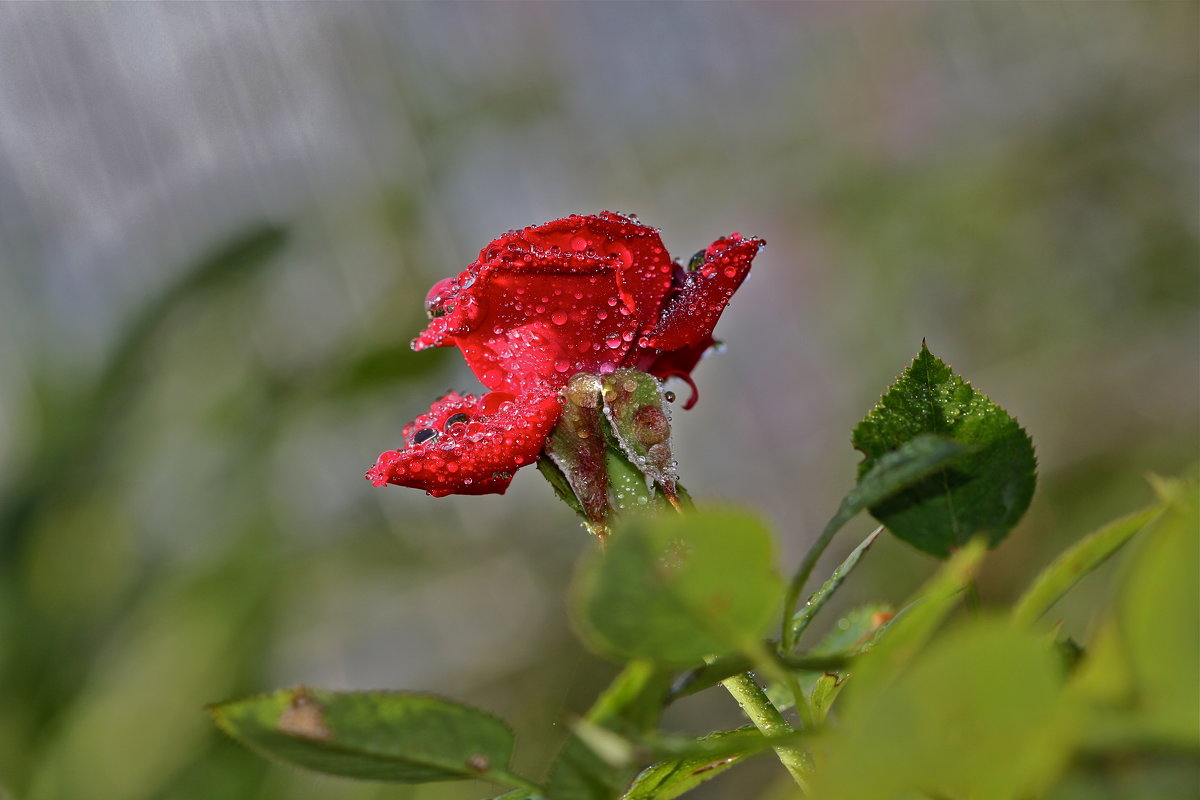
(758, 707)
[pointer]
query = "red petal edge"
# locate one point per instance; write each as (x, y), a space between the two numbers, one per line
(693, 312)
(469, 445)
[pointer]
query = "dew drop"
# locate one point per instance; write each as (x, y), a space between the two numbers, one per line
(559, 317)
(455, 419)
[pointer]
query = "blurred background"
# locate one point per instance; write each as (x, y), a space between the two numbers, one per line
(218, 223)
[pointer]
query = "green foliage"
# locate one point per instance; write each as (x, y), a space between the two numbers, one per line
(918, 620)
(669, 779)
(1080, 559)
(983, 493)
(808, 612)
(886, 706)
(677, 588)
(974, 715)
(1159, 621)
(909, 464)
(594, 761)
(382, 736)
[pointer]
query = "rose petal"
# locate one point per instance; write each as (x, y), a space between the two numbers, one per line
(546, 302)
(692, 313)
(469, 445)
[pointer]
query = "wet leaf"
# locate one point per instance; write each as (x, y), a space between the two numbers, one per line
(671, 778)
(381, 736)
(677, 588)
(577, 448)
(639, 415)
(819, 598)
(985, 492)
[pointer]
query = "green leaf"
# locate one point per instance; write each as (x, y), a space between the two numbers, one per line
(1159, 621)
(819, 598)
(894, 471)
(822, 682)
(668, 779)
(898, 642)
(985, 492)
(381, 736)
(977, 715)
(1077, 561)
(677, 588)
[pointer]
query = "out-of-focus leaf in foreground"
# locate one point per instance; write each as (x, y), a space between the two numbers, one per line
(1159, 620)
(976, 715)
(677, 588)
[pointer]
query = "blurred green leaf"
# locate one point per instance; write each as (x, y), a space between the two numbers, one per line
(678, 588)
(382, 736)
(985, 492)
(1076, 562)
(899, 641)
(1159, 620)
(977, 715)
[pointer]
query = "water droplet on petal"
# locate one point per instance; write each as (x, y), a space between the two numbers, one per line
(559, 317)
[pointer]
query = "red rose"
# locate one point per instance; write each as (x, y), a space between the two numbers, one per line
(581, 294)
